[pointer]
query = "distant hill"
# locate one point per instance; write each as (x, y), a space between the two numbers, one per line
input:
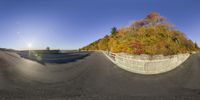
(151, 35)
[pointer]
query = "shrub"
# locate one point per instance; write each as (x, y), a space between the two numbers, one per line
(151, 35)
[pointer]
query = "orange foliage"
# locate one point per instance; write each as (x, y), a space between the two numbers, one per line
(151, 35)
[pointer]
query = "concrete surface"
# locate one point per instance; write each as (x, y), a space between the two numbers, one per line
(145, 64)
(94, 77)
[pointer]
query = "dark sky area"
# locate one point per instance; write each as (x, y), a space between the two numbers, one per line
(72, 24)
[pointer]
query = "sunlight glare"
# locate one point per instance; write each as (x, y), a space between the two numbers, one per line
(29, 45)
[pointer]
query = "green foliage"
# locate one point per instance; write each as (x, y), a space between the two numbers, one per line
(113, 31)
(151, 35)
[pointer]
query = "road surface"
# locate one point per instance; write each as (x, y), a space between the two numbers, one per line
(94, 77)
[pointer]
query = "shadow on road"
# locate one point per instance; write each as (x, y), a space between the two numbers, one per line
(55, 58)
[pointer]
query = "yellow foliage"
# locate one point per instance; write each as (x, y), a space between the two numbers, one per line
(152, 35)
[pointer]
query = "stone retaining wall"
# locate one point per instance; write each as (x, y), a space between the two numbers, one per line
(145, 64)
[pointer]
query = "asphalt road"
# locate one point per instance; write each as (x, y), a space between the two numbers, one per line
(94, 77)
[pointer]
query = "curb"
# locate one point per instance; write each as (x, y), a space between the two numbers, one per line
(109, 57)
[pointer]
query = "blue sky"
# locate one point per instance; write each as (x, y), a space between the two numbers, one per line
(72, 24)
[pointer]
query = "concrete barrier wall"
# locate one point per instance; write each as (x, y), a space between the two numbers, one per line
(145, 64)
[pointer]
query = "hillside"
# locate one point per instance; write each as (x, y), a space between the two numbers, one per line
(151, 35)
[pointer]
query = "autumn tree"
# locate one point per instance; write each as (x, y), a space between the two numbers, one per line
(154, 18)
(151, 35)
(196, 45)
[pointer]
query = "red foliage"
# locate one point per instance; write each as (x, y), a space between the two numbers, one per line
(137, 46)
(153, 15)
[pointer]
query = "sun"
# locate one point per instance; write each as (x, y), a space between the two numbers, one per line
(29, 45)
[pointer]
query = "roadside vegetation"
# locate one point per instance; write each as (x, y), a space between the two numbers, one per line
(152, 35)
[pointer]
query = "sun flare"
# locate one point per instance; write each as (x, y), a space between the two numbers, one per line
(29, 45)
